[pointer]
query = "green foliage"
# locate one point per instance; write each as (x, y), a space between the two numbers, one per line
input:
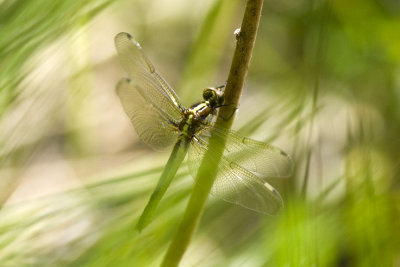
(323, 85)
(28, 27)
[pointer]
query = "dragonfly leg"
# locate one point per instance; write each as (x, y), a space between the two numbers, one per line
(221, 86)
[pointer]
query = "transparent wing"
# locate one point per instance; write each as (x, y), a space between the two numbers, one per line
(152, 124)
(258, 157)
(151, 86)
(235, 184)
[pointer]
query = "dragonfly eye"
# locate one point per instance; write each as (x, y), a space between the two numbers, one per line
(208, 93)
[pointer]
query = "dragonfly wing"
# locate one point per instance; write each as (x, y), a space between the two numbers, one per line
(258, 157)
(150, 84)
(235, 184)
(154, 126)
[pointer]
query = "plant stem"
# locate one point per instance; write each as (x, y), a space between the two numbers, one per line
(208, 169)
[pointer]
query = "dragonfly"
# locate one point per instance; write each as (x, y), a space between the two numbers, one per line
(161, 121)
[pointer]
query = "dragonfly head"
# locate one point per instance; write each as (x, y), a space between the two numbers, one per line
(214, 96)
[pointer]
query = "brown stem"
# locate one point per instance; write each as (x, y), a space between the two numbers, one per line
(208, 168)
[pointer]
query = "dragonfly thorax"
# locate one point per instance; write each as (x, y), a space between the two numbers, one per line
(200, 110)
(193, 118)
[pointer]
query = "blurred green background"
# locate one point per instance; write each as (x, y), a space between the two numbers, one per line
(323, 85)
